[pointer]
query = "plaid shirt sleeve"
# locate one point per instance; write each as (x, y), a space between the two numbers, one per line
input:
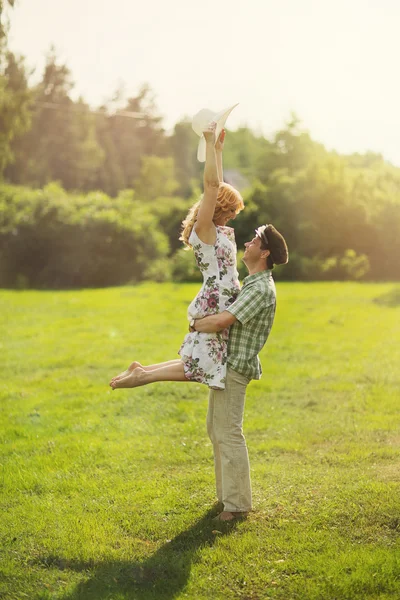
(248, 304)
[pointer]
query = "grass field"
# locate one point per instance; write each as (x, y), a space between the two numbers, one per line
(109, 495)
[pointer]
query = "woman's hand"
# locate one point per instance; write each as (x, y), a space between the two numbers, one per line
(209, 133)
(219, 146)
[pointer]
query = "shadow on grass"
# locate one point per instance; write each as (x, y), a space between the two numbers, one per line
(161, 576)
(391, 298)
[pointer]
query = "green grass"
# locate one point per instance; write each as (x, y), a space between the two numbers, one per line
(109, 495)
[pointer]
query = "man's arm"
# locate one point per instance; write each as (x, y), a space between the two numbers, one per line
(214, 323)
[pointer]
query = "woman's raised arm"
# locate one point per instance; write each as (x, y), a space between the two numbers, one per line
(204, 225)
(219, 146)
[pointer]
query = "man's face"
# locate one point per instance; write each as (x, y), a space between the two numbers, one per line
(253, 250)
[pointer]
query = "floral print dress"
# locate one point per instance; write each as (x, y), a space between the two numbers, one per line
(204, 355)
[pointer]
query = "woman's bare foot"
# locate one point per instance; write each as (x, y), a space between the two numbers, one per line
(128, 371)
(134, 379)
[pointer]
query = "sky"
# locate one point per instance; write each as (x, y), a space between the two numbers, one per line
(333, 62)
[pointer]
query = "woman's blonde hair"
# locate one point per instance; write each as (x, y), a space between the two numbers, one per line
(228, 198)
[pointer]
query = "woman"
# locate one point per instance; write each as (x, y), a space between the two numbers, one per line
(203, 355)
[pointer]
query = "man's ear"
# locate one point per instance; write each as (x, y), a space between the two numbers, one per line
(265, 253)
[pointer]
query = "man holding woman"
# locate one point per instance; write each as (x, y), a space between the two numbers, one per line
(228, 327)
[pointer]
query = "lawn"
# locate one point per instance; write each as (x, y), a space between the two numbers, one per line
(110, 495)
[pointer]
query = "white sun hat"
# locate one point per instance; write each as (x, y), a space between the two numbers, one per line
(201, 121)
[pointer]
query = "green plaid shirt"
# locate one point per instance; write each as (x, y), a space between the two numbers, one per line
(254, 310)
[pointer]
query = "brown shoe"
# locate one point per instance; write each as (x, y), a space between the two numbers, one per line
(227, 515)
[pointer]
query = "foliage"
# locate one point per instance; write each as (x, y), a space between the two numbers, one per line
(327, 208)
(339, 214)
(51, 239)
(170, 213)
(81, 148)
(15, 98)
(182, 146)
(127, 130)
(156, 178)
(61, 144)
(184, 268)
(158, 270)
(241, 266)
(4, 24)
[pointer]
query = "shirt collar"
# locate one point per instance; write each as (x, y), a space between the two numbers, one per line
(260, 275)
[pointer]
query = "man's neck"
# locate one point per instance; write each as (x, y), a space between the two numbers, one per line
(256, 268)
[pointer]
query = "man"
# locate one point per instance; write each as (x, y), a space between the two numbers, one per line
(250, 319)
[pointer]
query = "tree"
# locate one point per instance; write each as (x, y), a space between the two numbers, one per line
(182, 145)
(14, 106)
(61, 144)
(14, 93)
(156, 178)
(3, 18)
(127, 134)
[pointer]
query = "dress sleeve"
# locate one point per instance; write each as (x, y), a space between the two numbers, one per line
(230, 234)
(194, 239)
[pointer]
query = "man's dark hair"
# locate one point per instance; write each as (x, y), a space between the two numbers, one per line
(274, 241)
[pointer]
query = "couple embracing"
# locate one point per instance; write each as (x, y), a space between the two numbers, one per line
(228, 325)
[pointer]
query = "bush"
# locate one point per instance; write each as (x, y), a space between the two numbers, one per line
(350, 266)
(355, 266)
(51, 239)
(241, 266)
(184, 268)
(159, 270)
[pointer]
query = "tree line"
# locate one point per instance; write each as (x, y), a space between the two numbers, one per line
(96, 196)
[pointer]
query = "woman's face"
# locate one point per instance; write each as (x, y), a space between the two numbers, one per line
(225, 216)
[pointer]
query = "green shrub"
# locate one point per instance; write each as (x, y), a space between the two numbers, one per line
(350, 265)
(184, 268)
(159, 270)
(241, 266)
(355, 266)
(51, 239)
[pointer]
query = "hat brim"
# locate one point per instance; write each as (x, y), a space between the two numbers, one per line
(202, 120)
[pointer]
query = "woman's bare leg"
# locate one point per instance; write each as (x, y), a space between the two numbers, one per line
(140, 376)
(136, 364)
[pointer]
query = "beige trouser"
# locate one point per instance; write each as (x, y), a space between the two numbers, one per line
(225, 428)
